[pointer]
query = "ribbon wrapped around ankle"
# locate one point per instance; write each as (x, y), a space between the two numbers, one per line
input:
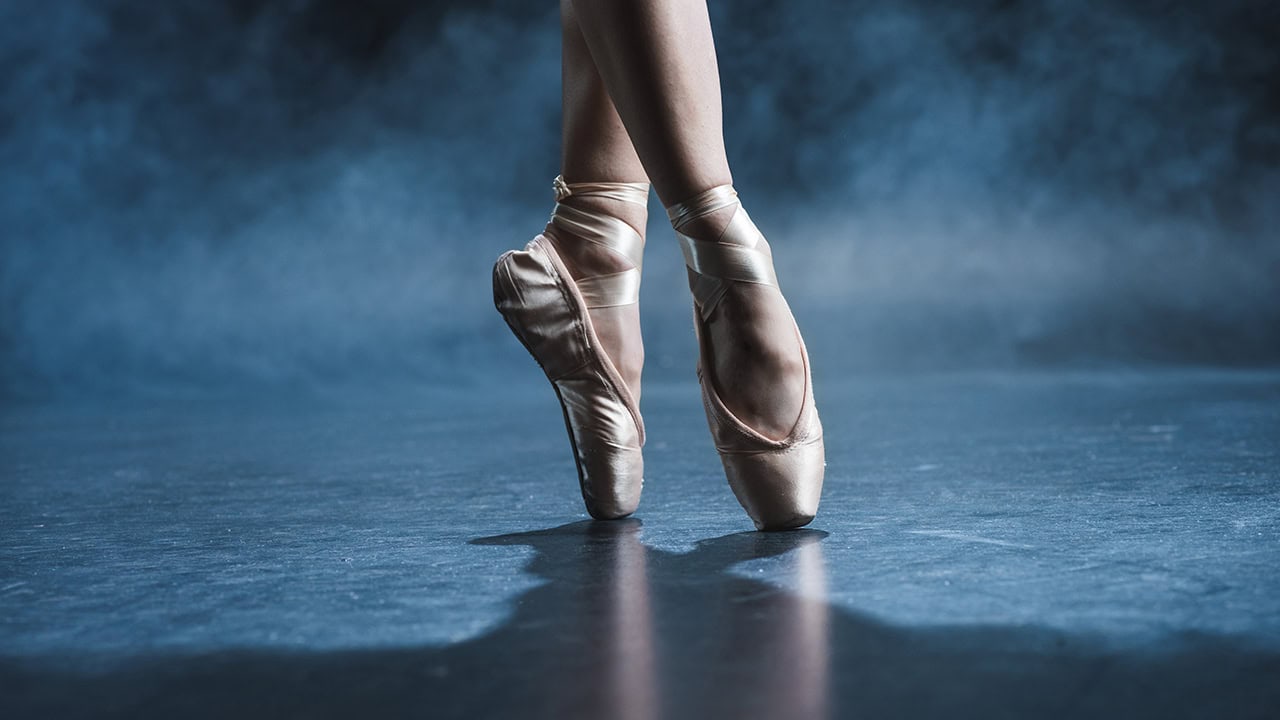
(739, 254)
(634, 193)
(614, 235)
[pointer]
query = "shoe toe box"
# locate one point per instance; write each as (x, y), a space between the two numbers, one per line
(779, 489)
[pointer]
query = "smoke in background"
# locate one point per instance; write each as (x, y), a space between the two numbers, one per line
(312, 191)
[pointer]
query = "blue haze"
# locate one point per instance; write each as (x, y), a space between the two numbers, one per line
(304, 193)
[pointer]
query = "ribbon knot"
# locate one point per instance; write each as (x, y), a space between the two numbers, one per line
(561, 188)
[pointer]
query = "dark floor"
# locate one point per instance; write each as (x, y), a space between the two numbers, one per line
(1034, 545)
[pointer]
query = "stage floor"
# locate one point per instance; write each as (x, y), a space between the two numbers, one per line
(996, 545)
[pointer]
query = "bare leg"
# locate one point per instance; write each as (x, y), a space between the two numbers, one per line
(657, 59)
(596, 148)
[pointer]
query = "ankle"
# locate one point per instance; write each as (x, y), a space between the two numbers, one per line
(634, 215)
(584, 258)
(711, 227)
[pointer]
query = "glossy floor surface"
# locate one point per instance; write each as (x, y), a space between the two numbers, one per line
(1026, 545)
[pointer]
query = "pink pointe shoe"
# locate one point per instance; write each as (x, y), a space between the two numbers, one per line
(778, 482)
(547, 311)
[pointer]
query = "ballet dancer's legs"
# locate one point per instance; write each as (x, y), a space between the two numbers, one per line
(596, 148)
(640, 84)
(657, 60)
(571, 294)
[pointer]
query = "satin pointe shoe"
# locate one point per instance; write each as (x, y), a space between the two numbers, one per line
(778, 482)
(547, 311)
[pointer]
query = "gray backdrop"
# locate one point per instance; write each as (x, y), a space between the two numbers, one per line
(298, 193)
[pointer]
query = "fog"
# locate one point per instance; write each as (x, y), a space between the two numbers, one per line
(302, 193)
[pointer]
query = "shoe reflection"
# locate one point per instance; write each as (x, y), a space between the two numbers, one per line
(613, 606)
(772, 649)
(625, 631)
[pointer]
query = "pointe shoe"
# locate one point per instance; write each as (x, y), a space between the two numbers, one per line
(778, 482)
(547, 311)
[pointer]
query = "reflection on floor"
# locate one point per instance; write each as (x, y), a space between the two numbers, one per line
(1007, 546)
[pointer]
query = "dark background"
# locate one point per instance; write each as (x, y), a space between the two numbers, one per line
(306, 193)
